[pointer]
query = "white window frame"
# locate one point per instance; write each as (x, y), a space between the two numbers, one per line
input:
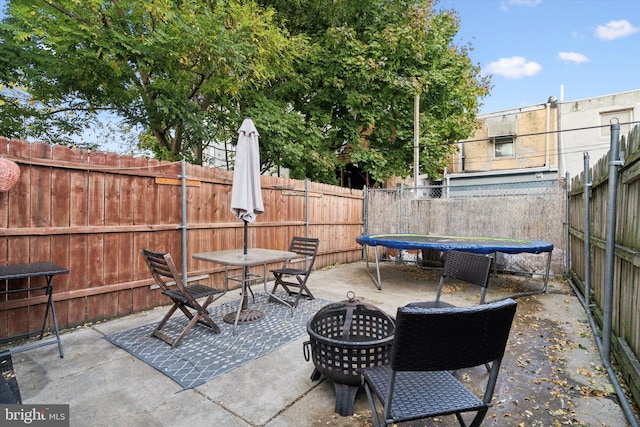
(504, 141)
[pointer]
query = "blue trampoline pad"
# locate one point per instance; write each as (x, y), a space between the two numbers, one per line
(480, 245)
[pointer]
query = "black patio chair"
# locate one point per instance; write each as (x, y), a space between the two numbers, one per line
(464, 266)
(429, 343)
(306, 248)
(183, 296)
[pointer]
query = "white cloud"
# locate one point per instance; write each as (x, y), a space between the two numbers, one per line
(578, 58)
(615, 29)
(515, 67)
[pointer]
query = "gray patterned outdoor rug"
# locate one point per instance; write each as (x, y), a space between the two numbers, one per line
(203, 355)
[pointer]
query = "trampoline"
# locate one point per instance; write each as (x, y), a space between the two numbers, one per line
(481, 245)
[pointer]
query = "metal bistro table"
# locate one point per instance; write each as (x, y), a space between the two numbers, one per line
(24, 271)
(253, 257)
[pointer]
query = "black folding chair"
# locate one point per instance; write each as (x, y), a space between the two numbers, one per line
(183, 296)
(464, 266)
(298, 269)
(428, 344)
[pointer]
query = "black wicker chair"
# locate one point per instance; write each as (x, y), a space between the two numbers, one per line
(428, 344)
(183, 296)
(305, 247)
(465, 266)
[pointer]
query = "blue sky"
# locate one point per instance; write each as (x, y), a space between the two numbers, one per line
(533, 47)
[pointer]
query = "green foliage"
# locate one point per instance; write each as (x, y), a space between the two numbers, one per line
(326, 81)
(158, 64)
(367, 61)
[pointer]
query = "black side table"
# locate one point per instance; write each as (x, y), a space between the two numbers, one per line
(23, 271)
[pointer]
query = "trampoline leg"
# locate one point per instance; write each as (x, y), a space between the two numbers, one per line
(546, 276)
(378, 282)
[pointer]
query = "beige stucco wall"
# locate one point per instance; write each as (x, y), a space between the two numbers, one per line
(535, 144)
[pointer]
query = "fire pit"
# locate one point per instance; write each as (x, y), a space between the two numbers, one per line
(345, 338)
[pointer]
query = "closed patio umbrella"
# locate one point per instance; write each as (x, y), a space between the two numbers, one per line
(246, 203)
(246, 195)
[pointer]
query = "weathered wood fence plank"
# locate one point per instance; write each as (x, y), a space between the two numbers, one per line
(625, 289)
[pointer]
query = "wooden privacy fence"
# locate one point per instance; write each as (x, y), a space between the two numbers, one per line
(92, 212)
(626, 297)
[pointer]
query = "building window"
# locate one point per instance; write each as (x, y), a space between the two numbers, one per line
(621, 116)
(504, 146)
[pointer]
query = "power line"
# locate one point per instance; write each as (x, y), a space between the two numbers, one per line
(546, 132)
(470, 161)
(530, 156)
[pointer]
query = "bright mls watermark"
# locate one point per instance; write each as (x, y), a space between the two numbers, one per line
(34, 415)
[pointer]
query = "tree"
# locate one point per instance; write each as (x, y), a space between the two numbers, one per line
(370, 59)
(326, 81)
(163, 65)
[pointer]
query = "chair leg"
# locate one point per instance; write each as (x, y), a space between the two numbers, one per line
(372, 405)
(303, 291)
(302, 294)
(278, 282)
(186, 330)
(274, 298)
(477, 420)
(158, 333)
(205, 318)
(302, 280)
(167, 317)
(185, 310)
(200, 316)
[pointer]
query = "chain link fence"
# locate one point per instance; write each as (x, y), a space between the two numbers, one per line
(484, 190)
(518, 210)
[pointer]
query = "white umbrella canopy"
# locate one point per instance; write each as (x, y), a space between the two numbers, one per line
(246, 194)
(246, 205)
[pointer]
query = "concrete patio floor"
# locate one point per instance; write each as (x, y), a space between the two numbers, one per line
(551, 375)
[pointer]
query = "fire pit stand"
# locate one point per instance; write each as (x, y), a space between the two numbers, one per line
(345, 338)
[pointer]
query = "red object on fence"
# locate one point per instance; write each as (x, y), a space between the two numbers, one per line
(9, 174)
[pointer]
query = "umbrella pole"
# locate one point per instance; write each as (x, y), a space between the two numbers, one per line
(244, 315)
(245, 271)
(245, 236)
